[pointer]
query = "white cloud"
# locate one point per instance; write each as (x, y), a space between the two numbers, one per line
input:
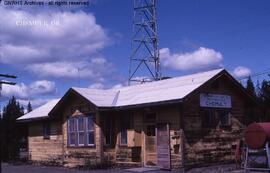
(95, 69)
(241, 72)
(96, 86)
(116, 86)
(34, 102)
(19, 90)
(102, 86)
(42, 87)
(22, 91)
(53, 44)
(19, 54)
(203, 58)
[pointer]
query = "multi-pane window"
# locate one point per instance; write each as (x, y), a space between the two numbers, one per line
(81, 131)
(211, 117)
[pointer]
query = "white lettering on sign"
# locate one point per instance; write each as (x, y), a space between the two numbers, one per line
(215, 101)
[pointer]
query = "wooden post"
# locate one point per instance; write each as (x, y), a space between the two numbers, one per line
(268, 154)
(0, 144)
(99, 138)
(182, 135)
(246, 160)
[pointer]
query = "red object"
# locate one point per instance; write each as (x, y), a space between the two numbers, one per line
(257, 134)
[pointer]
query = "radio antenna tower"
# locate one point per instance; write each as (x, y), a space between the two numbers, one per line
(145, 53)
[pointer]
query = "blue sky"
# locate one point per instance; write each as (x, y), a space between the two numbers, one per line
(194, 35)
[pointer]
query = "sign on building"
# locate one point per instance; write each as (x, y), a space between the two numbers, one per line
(215, 101)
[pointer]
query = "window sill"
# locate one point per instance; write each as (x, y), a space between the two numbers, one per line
(83, 146)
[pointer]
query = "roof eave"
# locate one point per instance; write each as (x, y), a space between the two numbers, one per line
(160, 103)
(32, 119)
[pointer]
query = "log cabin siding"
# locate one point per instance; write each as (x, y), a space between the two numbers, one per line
(45, 150)
(209, 145)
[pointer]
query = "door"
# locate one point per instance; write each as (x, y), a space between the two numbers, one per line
(150, 145)
(163, 146)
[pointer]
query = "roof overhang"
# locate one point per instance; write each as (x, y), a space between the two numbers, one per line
(32, 119)
(238, 85)
(162, 103)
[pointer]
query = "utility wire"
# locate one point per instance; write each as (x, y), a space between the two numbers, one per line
(266, 71)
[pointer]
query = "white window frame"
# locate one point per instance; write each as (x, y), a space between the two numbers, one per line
(69, 133)
(90, 131)
(82, 131)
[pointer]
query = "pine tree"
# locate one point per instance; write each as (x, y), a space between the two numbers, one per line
(258, 88)
(264, 99)
(250, 112)
(29, 107)
(11, 131)
(250, 87)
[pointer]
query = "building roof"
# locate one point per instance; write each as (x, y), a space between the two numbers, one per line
(40, 112)
(158, 91)
(99, 97)
(153, 92)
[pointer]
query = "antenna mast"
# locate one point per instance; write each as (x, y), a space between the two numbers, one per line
(145, 52)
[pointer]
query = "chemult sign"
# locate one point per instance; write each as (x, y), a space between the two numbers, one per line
(215, 101)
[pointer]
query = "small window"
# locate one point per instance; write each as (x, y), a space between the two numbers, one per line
(108, 130)
(46, 130)
(224, 117)
(209, 118)
(71, 131)
(81, 128)
(90, 131)
(125, 125)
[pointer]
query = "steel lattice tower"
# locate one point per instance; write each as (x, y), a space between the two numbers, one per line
(145, 51)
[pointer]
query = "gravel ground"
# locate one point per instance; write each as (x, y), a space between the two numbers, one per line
(6, 168)
(49, 169)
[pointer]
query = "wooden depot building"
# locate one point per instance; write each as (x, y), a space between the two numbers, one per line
(178, 122)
